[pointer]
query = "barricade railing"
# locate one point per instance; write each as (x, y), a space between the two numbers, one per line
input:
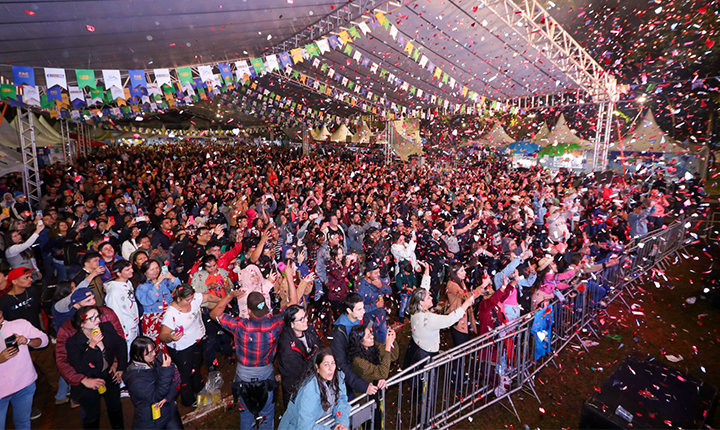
(489, 369)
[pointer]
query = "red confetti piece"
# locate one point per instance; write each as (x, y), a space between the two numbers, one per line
(29, 12)
(90, 28)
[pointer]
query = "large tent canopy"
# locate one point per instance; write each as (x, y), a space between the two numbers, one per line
(562, 134)
(649, 137)
(496, 137)
(341, 134)
(484, 51)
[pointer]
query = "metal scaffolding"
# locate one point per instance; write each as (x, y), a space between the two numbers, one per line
(388, 139)
(68, 149)
(305, 140)
(602, 136)
(31, 172)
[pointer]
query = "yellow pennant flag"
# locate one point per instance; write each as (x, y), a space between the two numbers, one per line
(438, 73)
(345, 37)
(296, 55)
(409, 48)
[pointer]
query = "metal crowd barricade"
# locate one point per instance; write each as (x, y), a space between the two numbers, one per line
(455, 384)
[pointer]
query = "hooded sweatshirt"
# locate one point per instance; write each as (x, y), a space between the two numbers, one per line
(339, 345)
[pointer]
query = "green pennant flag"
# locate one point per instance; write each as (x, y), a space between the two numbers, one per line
(413, 90)
(383, 73)
(348, 49)
(445, 78)
(8, 91)
(354, 33)
(322, 88)
(97, 93)
(351, 85)
(195, 97)
(258, 65)
(185, 74)
(324, 68)
(312, 50)
(167, 89)
(86, 78)
(45, 103)
(296, 74)
(416, 55)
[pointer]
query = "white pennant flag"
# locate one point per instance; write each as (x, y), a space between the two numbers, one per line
(206, 73)
(331, 73)
(112, 78)
(76, 94)
(55, 77)
(323, 45)
(423, 61)
(393, 31)
(162, 76)
(316, 63)
(452, 82)
(271, 63)
(154, 90)
(241, 69)
(357, 56)
(374, 67)
(31, 95)
(117, 93)
(364, 27)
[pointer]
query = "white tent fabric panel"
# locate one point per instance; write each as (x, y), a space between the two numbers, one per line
(561, 133)
(497, 137)
(649, 137)
(541, 136)
(48, 128)
(321, 134)
(341, 134)
(363, 134)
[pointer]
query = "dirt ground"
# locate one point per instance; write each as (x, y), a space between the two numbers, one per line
(670, 326)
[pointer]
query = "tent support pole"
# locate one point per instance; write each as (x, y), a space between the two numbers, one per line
(67, 143)
(305, 141)
(31, 172)
(602, 136)
(388, 142)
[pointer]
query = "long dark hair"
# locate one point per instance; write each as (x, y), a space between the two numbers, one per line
(311, 376)
(453, 273)
(139, 347)
(356, 348)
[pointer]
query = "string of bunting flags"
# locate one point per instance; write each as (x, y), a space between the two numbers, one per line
(89, 100)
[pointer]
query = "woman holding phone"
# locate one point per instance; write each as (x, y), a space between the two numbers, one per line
(183, 331)
(97, 351)
(155, 294)
(152, 381)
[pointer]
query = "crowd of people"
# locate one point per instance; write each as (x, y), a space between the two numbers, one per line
(144, 265)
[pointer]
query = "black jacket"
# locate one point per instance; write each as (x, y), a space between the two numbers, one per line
(292, 356)
(339, 346)
(89, 361)
(149, 385)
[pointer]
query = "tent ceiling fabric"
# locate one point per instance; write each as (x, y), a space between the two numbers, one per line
(135, 34)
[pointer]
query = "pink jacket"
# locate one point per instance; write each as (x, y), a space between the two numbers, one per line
(18, 372)
(553, 281)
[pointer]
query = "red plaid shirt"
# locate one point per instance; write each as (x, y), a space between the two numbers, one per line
(255, 338)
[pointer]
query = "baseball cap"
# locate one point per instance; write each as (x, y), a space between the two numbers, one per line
(80, 294)
(18, 273)
(256, 304)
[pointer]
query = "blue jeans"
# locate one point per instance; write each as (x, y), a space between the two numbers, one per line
(268, 411)
(404, 301)
(62, 273)
(512, 312)
(379, 319)
(22, 407)
(63, 389)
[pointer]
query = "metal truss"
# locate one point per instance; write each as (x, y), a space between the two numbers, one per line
(387, 135)
(31, 172)
(305, 140)
(83, 142)
(533, 23)
(68, 150)
(602, 136)
(343, 16)
(573, 98)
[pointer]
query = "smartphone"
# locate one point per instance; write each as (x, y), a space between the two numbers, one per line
(11, 341)
(164, 269)
(39, 214)
(92, 224)
(111, 220)
(191, 219)
(139, 218)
